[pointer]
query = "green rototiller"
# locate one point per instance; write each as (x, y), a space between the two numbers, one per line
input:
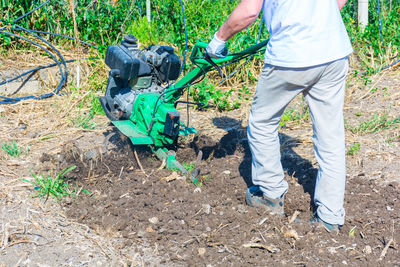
(141, 98)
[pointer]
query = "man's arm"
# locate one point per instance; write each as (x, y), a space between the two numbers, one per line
(341, 3)
(241, 17)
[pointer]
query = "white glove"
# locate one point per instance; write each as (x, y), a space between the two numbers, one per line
(216, 48)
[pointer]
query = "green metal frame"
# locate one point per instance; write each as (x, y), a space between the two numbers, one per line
(147, 122)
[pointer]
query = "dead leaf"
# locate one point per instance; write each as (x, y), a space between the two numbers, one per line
(149, 229)
(269, 248)
(256, 243)
(294, 216)
(292, 233)
(173, 176)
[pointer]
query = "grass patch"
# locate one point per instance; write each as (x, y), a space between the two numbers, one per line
(53, 186)
(96, 108)
(393, 138)
(12, 149)
(85, 122)
(376, 123)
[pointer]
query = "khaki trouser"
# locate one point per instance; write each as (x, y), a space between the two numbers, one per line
(323, 87)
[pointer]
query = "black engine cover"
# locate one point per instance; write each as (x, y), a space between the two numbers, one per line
(171, 64)
(118, 57)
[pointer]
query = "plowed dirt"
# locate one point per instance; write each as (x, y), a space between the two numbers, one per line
(191, 225)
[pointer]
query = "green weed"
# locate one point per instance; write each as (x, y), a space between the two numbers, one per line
(85, 122)
(144, 31)
(206, 94)
(244, 93)
(352, 231)
(392, 138)
(50, 186)
(188, 166)
(353, 149)
(294, 115)
(376, 123)
(96, 108)
(12, 149)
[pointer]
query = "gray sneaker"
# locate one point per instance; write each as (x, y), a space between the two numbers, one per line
(256, 198)
(335, 228)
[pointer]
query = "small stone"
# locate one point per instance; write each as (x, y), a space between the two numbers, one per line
(141, 233)
(389, 208)
(344, 262)
(182, 222)
(241, 208)
(332, 250)
(91, 154)
(227, 172)
(154, 220)
(197, 190)
(208, 229)
(206, 208)
(221, 213)
(367, 250)
(67, 200)
(201, 251)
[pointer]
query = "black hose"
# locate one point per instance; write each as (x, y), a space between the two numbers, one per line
(186, 38)
(34, 70)
(64, 77)
(64, 36)
(9, 100)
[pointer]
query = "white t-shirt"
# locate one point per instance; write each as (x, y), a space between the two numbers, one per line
(304, 33)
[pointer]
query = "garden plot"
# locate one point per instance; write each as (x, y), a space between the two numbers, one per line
(138, 213)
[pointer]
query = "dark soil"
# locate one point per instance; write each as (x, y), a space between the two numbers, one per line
(211, 224)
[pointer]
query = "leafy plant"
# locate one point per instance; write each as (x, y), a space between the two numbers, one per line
(49, 186)
(206, 93)
(353, 149)
(188, 166)
(294, 115)
(244, 93)
(13, 149)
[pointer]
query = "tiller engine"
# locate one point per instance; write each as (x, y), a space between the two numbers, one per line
(142, 94)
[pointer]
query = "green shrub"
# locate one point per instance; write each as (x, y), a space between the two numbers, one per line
(104, 23)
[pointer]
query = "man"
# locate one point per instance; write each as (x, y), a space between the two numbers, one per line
(307, 53)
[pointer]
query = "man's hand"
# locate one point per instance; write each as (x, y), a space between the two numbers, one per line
(216, 48)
